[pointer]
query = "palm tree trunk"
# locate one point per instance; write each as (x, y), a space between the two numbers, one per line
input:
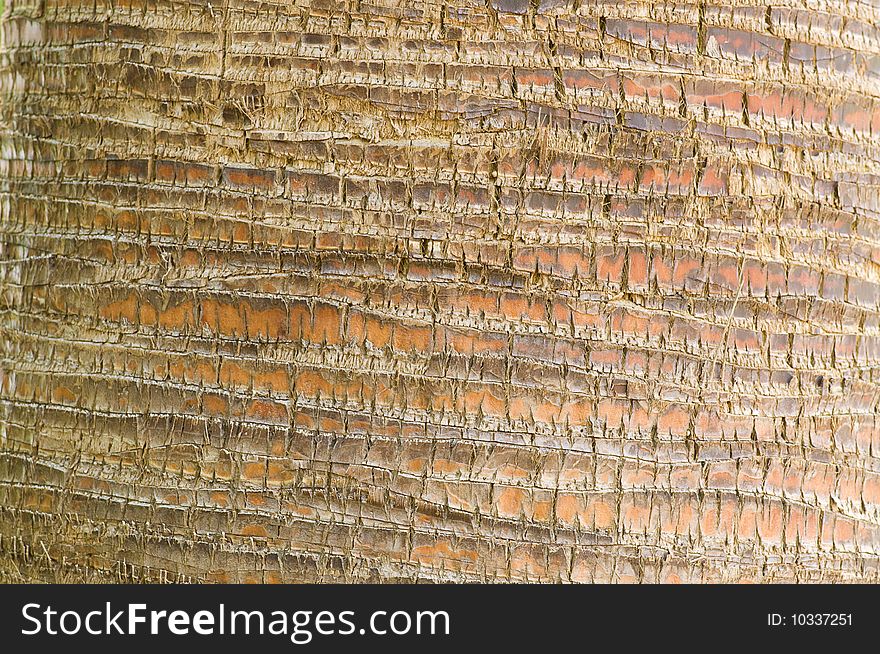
(530, 291)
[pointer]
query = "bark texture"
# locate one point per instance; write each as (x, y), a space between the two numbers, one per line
(529, 291)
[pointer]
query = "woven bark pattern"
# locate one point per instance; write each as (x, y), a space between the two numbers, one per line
(506, 291)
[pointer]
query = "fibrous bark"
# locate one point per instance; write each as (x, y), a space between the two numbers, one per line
(346, 291)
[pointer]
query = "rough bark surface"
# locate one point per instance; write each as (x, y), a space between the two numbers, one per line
(345, 291)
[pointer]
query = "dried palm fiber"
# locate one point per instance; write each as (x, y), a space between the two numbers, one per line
(374, 291)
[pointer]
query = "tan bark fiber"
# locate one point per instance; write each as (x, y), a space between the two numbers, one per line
(464, 291)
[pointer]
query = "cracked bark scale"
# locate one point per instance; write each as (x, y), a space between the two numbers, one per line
(345, 291)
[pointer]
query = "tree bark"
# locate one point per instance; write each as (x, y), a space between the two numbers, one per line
(394, 291)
